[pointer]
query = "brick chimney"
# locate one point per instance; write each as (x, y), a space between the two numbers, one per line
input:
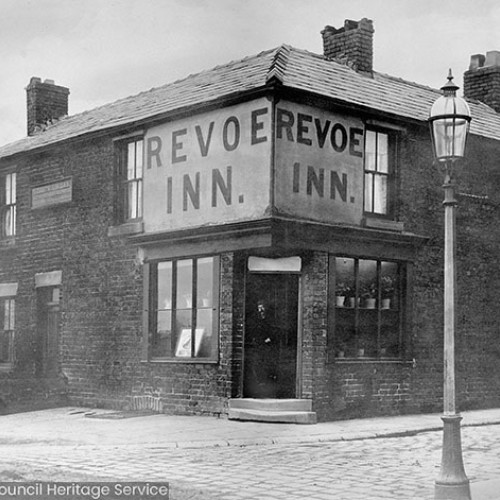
(482, 80)
(46, 102)
(351, 45)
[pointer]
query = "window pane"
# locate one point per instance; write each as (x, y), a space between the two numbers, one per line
(183, 327)
(368, 284)
(8, 189)
(389, 287)
(345, 284)
(139, 199)
(380, 194)
(5, 346)
(9, 221)
(5, 315)
(205, 345)
(345, 291)
(138, 159)
(12, 314)
(164, 291)
(162, 340)
(14, 187)
(132, 200)
(368, 192)
(205, 285)
(383, 153)
(131, 160)
(184, 284)
(389, 284)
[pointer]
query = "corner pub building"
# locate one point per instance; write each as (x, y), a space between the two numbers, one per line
(263, 240)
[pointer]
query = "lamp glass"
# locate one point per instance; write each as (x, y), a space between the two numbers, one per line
(449, 119)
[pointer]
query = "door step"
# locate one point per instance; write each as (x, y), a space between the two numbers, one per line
(292, 411)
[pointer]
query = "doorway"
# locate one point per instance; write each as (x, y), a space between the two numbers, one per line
(270, 359)
(48, 301)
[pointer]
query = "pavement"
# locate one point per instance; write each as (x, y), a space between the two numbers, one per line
(128, 445)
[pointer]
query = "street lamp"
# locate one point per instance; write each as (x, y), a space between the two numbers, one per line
(449, 122)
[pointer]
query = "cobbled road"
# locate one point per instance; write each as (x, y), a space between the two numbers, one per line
(382, 468)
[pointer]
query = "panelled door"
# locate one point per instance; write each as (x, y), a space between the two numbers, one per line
(270, 357)
(48, 317)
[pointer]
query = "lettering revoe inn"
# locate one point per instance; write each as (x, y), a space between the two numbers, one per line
(265, 235)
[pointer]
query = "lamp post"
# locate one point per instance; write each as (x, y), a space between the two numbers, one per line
(449, 122)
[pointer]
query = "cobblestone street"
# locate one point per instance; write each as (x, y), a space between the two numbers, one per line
(382, 468)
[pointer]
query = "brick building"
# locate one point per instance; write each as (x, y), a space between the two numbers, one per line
(268, 232)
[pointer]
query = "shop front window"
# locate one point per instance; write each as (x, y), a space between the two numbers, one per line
(184, 317)
(368, 305)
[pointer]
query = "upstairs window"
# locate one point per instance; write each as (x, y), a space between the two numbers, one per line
(379, 173)
(8, 205)
(183, 320)
(7, 323)
(367, 300)
(130, 169)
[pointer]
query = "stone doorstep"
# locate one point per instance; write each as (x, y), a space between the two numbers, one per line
(282, 417)
(270, 404)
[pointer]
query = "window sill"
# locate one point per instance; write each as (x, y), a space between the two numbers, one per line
(126, 229)
(365, 360)
(373, 222)
(186, 361)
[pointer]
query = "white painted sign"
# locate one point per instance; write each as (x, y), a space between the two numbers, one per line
(212, 168)
(319, 168)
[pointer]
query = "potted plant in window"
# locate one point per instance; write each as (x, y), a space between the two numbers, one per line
(342, 292)
(341, 348)
(369, 294)
(360, 352)
(387, 289)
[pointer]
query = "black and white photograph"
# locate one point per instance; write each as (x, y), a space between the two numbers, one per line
(249, 250)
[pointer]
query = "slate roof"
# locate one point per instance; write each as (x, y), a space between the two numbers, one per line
(294, 68)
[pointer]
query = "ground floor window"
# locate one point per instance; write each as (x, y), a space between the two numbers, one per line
(368, 307)
(184, 305)
(8, 313)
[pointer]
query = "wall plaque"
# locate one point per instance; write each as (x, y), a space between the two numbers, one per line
(51, 194)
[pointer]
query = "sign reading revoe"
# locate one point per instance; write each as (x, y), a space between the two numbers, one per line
(211, 168)
(55, 193)
(319, 168)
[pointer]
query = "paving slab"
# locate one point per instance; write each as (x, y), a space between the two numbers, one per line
(86, 426)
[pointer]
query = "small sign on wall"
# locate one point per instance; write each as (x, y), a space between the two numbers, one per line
(52, 194)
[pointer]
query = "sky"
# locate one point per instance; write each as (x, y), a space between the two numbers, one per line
(104, 50)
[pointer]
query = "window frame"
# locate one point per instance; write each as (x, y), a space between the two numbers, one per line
(151, 309)
(390, 175)
(10, 332)
(8, 205)
(123, 182)
(357, 308)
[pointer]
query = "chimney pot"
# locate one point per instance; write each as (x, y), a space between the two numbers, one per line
(492, 58)
(476, 61)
